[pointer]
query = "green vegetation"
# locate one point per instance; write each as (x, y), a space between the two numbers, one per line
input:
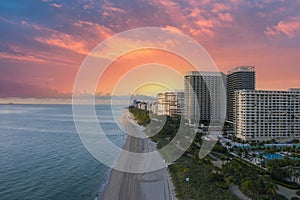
(169, 129)
(282, 169)
(298, 193)
(208, 181)
(205, 182)
(141, 116)
(253, 182)
(286, 184)
(219, 148)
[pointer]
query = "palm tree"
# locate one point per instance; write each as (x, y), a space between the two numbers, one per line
(228, 144)
(223, 158)
(246, 153)
(240, 153)
(270, 187)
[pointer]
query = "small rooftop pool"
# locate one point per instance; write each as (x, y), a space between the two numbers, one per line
(272, 156)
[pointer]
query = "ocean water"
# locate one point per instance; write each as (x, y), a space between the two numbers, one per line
(42, 157)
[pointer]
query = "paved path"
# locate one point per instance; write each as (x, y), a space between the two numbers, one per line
(286, 192)
(147, 186)
(234, 189)
(237, 192)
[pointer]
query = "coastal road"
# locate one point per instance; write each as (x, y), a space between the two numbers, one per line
(146, 186)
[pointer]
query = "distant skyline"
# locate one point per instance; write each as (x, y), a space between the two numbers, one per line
(43, 42)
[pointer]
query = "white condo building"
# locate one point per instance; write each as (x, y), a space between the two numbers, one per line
(266, 115)
(170, 103)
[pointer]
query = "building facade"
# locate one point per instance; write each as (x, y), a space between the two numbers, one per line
(266, 115)
(153, 107)
(239, 78)
(205, 96)
(140, 104)
(170, 103)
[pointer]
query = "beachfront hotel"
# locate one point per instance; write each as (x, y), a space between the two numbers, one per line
(203, 95)
(266, 115)
(141, 104)
(170, 103)
(242, 77)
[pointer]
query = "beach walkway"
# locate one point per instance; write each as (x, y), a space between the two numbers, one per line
(146, 186)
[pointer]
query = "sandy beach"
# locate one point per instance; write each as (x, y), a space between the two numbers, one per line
(145, 186)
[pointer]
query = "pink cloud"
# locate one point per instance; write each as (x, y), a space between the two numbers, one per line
(19, 57)
(168, 3)
(109, 9)
(56, 5)
(113, 9)
(86, 7)
(45, 56)
(226, 17)
(82, 41)
(205, 23)
(198, 18)
(24, 23)
(173, 28)
(231, 32)
(218, 7)
(65, 41)
(195, 12)
(12, 88)
(95, 29)
(289, 27)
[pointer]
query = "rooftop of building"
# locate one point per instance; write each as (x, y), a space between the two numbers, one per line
(294, 89)
(290, 90)
(170, 92)
(242, 69)
(204, 73)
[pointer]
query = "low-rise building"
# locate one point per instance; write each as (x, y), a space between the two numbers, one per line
(140, 105)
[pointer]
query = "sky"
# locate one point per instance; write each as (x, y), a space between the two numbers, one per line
(44, 42)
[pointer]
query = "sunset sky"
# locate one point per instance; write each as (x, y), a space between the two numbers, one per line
(44, 42)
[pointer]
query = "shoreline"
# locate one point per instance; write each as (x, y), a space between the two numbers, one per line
(104, 186)
(122, 185)
(109, 173)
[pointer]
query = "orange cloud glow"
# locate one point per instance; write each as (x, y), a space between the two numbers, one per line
(128, 62)
(47, 50)
(65, 41)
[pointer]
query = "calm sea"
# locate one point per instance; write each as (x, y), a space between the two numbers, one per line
(42, 157)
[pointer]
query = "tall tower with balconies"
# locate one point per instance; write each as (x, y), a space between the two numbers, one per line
(240, 78)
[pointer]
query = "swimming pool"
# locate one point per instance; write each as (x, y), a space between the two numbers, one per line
(272, 156)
